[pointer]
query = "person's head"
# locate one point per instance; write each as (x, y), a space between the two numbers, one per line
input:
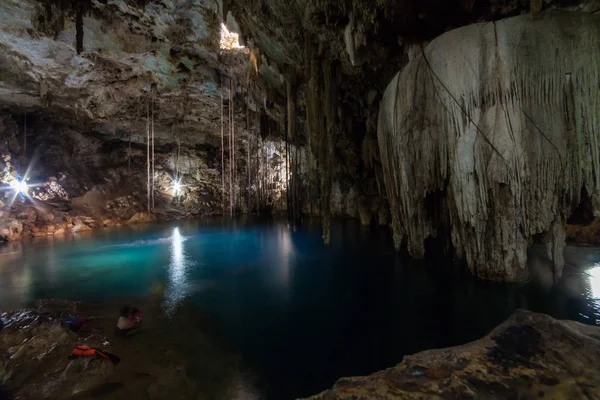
(125, 311)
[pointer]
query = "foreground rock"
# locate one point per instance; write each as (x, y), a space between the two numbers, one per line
(174, 358)
(528, 356)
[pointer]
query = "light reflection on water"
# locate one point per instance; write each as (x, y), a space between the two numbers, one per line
(176, 288)
(300, 313)
(593, 294)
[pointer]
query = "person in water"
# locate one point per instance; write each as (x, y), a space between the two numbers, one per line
(129, 323)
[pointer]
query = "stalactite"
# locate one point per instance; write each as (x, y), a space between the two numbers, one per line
(234, 173)
(257, 191)
(148, 152)
(326, 150)
(287, 175)
(291, 134)
(321, 117)
(249, 166)
(129, 154)
(222, 156)
(178, 157)
(497, 128)
(79, 27)
(153, 174)
(25, 130)
(230, 153)
(296, 183)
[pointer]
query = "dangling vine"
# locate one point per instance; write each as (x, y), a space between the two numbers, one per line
(49, 17)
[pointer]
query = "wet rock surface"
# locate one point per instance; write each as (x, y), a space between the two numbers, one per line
(528, 356)
(35, 345)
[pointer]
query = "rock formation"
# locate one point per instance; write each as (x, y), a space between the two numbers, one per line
(528, 356)
(83, 85)
(490, 133)
(36, 344)
(75, 121)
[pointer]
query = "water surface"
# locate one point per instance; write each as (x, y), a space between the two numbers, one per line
(297, 313)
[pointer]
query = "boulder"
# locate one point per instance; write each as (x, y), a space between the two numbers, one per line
(33, 355)
(528, 356)
(142, 217)
(11, 230)
(80, 227)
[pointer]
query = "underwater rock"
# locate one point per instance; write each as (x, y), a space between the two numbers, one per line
(34, 347)
(491, 132)
(528, 356)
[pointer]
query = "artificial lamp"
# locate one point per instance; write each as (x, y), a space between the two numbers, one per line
(176, 187)
(19, 186)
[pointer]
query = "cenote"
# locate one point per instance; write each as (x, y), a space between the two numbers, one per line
(317, 199)
(296, 314)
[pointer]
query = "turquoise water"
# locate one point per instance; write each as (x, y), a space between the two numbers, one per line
(299, 314)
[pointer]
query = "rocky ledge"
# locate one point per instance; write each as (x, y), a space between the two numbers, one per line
(178, 358)
(528, 356)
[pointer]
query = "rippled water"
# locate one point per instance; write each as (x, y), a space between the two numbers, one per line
(298, 314)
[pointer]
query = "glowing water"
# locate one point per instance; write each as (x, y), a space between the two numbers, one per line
(299, 314)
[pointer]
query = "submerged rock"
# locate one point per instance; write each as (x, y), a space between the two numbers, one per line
(34, 350)
(528, 356)
(174, 357)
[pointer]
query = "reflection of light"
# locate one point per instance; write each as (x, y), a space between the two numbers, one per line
(593, 294)
(286, 253)
(176, 266)
(594, 280)
(177, 279)
(19, 186)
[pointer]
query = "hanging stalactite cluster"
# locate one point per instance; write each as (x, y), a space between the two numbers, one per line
(321, 124)
(497, 125)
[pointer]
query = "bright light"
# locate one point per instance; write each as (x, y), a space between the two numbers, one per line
(177, 288)
(176, 186)
(594, 280)
(19, 186)
(229, 40)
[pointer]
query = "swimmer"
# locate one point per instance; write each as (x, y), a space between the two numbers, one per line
(129, 323)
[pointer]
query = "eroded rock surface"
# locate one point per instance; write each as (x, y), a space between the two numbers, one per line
(528, 356)
(175, 356)
(488, 136)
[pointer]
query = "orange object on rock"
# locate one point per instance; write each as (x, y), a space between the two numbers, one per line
(86, 351)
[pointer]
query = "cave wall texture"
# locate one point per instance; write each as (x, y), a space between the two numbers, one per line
(432, 163)
(304, 98)
(502, 118)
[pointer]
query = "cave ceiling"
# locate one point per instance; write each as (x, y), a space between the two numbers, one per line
(136, 50)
